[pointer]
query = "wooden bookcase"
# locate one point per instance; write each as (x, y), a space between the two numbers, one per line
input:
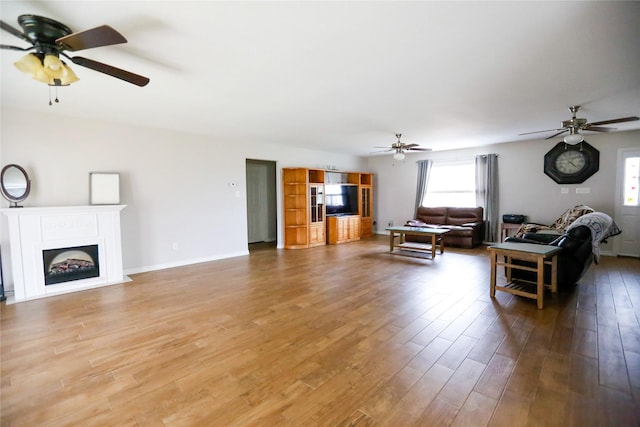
(296, 228)
(366, 204)
(317, 215)
(303, 205)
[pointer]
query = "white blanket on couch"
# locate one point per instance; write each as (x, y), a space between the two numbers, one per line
(602, 226)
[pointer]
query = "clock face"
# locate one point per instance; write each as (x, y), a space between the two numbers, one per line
(570, 162)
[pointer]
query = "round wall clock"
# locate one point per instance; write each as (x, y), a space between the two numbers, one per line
(571, 164)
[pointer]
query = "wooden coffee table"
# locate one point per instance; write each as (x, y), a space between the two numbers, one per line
(436, 235)
(539, 254)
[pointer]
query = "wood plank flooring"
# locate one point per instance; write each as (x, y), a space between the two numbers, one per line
(345, 335)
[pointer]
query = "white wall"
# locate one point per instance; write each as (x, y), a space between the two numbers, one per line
(175, 185)
(524, 188)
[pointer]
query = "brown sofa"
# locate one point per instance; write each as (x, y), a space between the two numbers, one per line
(466, 225)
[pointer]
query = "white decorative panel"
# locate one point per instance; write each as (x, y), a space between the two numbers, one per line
(68, 226)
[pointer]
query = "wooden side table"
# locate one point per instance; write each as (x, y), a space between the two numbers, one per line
(505, 227)
(540, 254)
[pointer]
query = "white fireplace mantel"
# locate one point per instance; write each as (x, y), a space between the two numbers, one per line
(33, 230)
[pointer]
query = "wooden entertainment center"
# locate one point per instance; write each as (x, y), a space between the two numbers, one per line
(306, 222)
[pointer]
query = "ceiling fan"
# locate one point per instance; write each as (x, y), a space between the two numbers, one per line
(576, 125)
(400, 147)
(50, 40)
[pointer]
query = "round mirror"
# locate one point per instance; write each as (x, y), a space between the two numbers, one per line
(14, 184)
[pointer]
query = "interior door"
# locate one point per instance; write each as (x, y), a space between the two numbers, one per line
(628, 202)
(257, 190)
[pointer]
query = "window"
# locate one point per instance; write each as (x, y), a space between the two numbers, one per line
(451, 184)
(632, 181)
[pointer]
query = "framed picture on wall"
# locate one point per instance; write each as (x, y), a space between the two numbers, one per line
(104, 188)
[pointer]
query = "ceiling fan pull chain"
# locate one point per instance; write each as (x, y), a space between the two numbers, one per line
(56, 99)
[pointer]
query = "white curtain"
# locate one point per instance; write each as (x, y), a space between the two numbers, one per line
(487, 193)
(424, 169)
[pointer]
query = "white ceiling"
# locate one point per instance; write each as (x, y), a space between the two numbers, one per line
(346, 76)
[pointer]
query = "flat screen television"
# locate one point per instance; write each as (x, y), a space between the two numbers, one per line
(341, 199)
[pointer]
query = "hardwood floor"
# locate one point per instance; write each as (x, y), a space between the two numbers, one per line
(330, 336)
(261, 246)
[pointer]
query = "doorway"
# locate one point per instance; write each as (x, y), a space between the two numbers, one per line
(262, 229)
(628, 202)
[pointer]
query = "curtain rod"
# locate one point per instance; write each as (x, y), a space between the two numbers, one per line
(458, 159)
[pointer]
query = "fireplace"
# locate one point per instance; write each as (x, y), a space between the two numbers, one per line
(72, 263)
(57, 250)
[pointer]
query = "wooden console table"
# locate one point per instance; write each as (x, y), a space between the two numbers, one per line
(435, 234)
(540, 254)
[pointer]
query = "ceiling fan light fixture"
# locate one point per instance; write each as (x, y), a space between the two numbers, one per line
(41, 76)
(399, 155)
(49, 70)
(66, 80)
(29, 64)
(573, 138)
(69, 76)
(53, 67)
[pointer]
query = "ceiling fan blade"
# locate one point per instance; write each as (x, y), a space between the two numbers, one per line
(620, 120)
(540, 131)
(410, 145)
(418, 149)
(19, 34)
(383, 151)
(556, 134)
(599, 129)
(127, 76)
(6, 46)
(94, 37)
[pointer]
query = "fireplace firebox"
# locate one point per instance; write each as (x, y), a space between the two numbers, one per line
(72, 263)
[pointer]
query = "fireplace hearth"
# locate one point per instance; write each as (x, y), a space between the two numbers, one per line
(68, 264)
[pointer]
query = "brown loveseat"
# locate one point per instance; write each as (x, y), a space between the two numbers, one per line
(466, 225)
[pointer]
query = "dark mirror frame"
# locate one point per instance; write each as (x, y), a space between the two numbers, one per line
(11, 198)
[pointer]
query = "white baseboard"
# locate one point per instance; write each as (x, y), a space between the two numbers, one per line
(182, 263)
